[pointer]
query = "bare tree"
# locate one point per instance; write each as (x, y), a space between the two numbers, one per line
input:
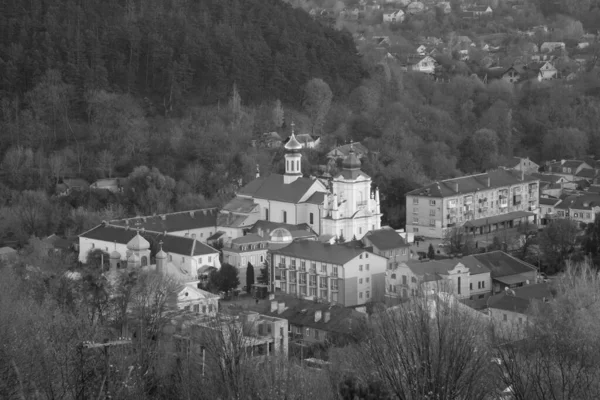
(457, 240)
(431, 347)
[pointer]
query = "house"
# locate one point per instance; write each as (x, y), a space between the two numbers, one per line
(509, 309)
(425, 64)
(415, 7)
(350, 13)
(579, 207)
(549, 47)
(480, 10)
(522, 164)
(313, 322)
(188, 297)
(388, 243)
(545, 70)
(114, 185)
(347, 208)
(197, 224)
(567, 168)
(381, 41)
(481, 202)
(57, 244)
(342, 152)
(583, 45)
(307, 141)
(69, 185)
(340, 274)
(547, 208)
(271, 140)
(506, 270)
(421, 50)
(394, 16)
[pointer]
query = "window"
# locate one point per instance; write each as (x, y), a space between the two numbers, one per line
(368, 279)
(360, 281)
(144, 261)
(367, 255)
(360, 231)
(360, 268)
(313, 266)
(520, 320)
(404, 279)
(302, 265)
(393, 276)
(478, 285)
(483, 284)
(360, 256)
(360, 295)
(313, 291)
(196, 307)
(182, 260)
(415, 220)
(368, 294)
(471, 286)
(367, 267)
(588, 215)
(170, 257)
(505, 317)
(413, 279)
(432, 222)
(266, 214)
(316, 334)
(432, 212)
(481, 296)
(210, 308)
(209, 259)
(324, 268)
(335, 270)
(285, 217)
(193, 236)
(415, 200)
(458, 284)
(312, 218)
(432, 202)
(203, 309)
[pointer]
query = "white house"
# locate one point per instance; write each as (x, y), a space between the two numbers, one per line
(393, 16)
(424, 64)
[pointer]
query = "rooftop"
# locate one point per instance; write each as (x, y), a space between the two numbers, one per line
(386, 239)
(171, 243)
(473, 183)
(580, 201)
(502, 264)
(519, 299)
(322, 252)
(272, 187)
(172, 222)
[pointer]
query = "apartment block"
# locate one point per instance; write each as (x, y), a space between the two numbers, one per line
(482, 203)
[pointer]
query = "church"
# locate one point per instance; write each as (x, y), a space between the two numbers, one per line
(345, 207)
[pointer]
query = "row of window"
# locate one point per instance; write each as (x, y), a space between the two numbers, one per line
(301, 266)
(480, 285)
(309, 332)
(313, 292)
(312, 281)
(196, 308)
(311, 217)
(360, 280)
(367, 294)
(416, 221)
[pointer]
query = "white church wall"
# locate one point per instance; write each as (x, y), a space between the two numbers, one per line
(86, 245)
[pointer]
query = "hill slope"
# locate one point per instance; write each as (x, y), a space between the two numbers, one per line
(170, 48)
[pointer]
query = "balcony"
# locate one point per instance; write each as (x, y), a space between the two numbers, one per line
(293, 279)
(323, 286)
(282, 265)
(313, 283)
(292, 266)
(312, 271)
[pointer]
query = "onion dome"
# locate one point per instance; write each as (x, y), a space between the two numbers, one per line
(352, 161)
(293, 144)
(138, 243)
(115, 255)
(281, 235)
(161, 255)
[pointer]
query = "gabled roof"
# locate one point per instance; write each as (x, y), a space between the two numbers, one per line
(322, 252)
(549, 201)
(172, 222)
(472, 183)
(305, 138)
(250, 238)
(502, 264)
(358, 148)
(171, 243)
(241, 205)
(586, 173)
(272, 187)
(316, 198)
(76, 182)
(580, 202)
(519, 299)
(550, 178)
(386, 239)
(264, 228)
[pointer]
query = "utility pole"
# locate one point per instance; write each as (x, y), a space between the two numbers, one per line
(105, 347)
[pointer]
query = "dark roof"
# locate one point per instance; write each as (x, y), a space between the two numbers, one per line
(519, 299)
(501, 264)
(594, 189)
(316, 198)
(586, 173)
(263, 227)
(173, 222)
(302, 313)
(241, 205)
(359, 149)
(580, 201)
(171, 243)
(432, 269)
(548, 201)
(305, 138)
(550, 178)
(386, 239)
(472, 183)
(76, 182)
(272, 188)
(322, 252)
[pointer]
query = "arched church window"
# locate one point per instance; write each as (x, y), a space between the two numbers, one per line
(298, 166)
(144, 261)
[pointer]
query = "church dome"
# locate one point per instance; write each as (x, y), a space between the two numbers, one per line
(281, 235)
(115, 255)
(138, 243)
(352, 161)
(161, 255)
(293, 144)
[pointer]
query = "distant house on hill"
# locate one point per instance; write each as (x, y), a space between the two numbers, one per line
(425, 64)
(393, 16)
(341, 152)
(548, 47)
(479, 11)
(69, 185)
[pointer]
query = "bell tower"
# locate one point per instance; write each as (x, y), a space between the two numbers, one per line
(293, 159)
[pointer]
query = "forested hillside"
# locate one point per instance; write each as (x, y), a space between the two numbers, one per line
(169, 49)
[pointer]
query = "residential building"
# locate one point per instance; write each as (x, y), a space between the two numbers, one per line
(394, 16)
(522, 164)
(425, 64)
(271, 140)
(348, 208)
(188, 297)
(548, 208)
(114, 185)
(581, 207)
(308, 141)
(421, 50)
(196, 224)
(340, 274)
(548, 47)
(131, 247)
(509, 309)
(480, 10)
(482, 203)
(567, 168)
(7, 253)
(545, 70)
(69, 185)
(342, 152)
(506, 270)
(311, 322)
(388, 243)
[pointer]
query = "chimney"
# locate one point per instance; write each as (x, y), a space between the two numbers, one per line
(489, 183)
(456, 187)
(318, 315)
(274, 306)
(280, 308)
(327, 316)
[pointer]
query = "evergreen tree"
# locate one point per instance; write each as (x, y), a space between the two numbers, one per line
(226, 278)
(263, 278)
(249, 277)
(431, 252)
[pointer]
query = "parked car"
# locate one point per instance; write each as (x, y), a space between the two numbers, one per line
(419, 238)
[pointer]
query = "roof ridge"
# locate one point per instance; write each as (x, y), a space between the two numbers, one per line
(193, 246)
